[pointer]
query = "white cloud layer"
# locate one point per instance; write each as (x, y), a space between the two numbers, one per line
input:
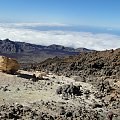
(66, 38)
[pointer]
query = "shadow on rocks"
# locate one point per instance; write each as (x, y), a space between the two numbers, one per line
(26, 76)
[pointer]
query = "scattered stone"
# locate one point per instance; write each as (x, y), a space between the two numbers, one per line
(87, 92)
(96, 105)
(18, 89)
(69, 114)
(110, 115)
(59, 90)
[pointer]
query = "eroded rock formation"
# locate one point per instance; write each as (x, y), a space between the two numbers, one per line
(8, 65)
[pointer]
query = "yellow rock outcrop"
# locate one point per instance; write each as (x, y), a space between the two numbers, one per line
(8, 65)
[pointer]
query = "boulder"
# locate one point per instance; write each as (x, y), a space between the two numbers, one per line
(69, 90)
(8, 65)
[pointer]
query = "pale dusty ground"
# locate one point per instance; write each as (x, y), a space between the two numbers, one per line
(24, 91)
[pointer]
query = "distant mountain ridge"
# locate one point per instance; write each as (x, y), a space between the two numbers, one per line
(8, 46)
(31, 53)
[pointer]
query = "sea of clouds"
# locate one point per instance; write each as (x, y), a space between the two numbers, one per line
(24, 32)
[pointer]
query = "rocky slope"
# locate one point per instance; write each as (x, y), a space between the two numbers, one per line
(97, 63)
(99, 68)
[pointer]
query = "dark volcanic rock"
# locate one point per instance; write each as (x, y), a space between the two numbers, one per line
(54, 111)
(68, 90)
(97, 63)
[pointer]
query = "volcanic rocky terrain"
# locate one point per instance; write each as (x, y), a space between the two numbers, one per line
(78, 87)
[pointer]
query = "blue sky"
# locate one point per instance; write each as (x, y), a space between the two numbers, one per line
(93, 24)
(81, 12)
